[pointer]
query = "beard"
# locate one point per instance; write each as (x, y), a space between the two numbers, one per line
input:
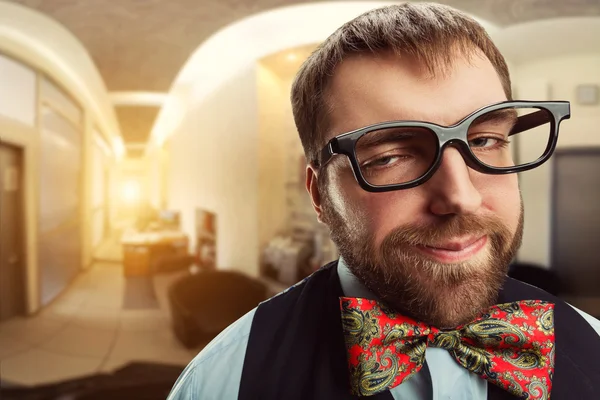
(444, 295)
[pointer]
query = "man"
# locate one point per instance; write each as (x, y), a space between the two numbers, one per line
(406, 121)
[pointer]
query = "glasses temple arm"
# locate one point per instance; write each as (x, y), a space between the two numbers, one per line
(325, 155)
(530, 121)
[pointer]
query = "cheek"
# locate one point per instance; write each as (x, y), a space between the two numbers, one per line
(501, 197)
(341, 193)
(375, 214)
(389, 210)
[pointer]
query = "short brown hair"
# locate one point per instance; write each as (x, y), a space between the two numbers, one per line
(427, 31)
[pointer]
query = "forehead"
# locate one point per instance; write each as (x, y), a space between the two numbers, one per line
(367, 89)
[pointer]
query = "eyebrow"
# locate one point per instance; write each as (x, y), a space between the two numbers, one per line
(385, 137)
(498, 116)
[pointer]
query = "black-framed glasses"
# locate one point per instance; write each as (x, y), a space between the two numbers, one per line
(403, 154)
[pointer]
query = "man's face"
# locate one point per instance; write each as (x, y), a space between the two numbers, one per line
(440, 251)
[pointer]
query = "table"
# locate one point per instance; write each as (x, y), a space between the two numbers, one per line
(141, 250)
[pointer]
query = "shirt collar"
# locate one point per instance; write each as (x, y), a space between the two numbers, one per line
(351, 286)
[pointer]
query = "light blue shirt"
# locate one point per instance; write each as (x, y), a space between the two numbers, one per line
(215, 373)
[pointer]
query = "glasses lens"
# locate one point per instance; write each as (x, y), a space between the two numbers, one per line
(493, 136)
(396, 155)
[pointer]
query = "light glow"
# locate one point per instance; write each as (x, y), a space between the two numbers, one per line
(130, 192)
(119, 147)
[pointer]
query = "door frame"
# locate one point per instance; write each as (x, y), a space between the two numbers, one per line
(24, 137)
(595, 150)
(21, 281)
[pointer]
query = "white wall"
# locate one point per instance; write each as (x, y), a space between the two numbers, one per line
(18, 98)
(157, 166)
(273, 140)
(101, 162)
(554, 79)
(154, 181)
(213, 165)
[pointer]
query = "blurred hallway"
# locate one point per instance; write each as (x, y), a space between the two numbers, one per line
(88, 329)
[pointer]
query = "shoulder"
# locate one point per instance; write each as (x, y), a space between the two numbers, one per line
(525, 291)
(594, 323)
(282, 312)
(216, 371)
(318, 280)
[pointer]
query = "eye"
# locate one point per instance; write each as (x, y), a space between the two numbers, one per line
(487, 142)
(385, 161)
(382, 161)
(482, 142)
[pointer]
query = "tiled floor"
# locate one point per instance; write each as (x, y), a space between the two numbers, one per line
(86, 330)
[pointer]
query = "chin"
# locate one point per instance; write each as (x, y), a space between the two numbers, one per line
(444, 295)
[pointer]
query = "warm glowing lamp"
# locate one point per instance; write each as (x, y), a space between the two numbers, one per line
(130, 191)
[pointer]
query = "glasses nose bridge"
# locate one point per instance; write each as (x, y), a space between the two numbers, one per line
(453, 136)
(457, 137)
(450, 135)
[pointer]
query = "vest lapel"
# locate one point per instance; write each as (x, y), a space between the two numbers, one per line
(495, 392)
(296, 345)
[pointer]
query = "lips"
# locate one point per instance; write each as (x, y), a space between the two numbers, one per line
(454, 250)
(455, 245)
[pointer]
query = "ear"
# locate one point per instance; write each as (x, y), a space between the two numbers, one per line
(312, 187)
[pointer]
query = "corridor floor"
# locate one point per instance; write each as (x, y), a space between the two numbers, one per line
(87, 330)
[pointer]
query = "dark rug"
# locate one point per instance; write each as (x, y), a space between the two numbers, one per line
(139, 293)
(138, 381)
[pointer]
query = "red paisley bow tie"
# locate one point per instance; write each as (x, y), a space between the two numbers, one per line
(511, 345)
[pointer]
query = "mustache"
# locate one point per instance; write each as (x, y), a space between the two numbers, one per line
(453, 226)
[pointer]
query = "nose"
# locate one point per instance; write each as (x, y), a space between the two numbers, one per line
(451, 188)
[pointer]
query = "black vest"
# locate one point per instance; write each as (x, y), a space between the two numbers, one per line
(296, 346)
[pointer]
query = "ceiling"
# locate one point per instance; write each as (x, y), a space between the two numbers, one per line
(285, 64)
(140, 45)
(138, 120)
